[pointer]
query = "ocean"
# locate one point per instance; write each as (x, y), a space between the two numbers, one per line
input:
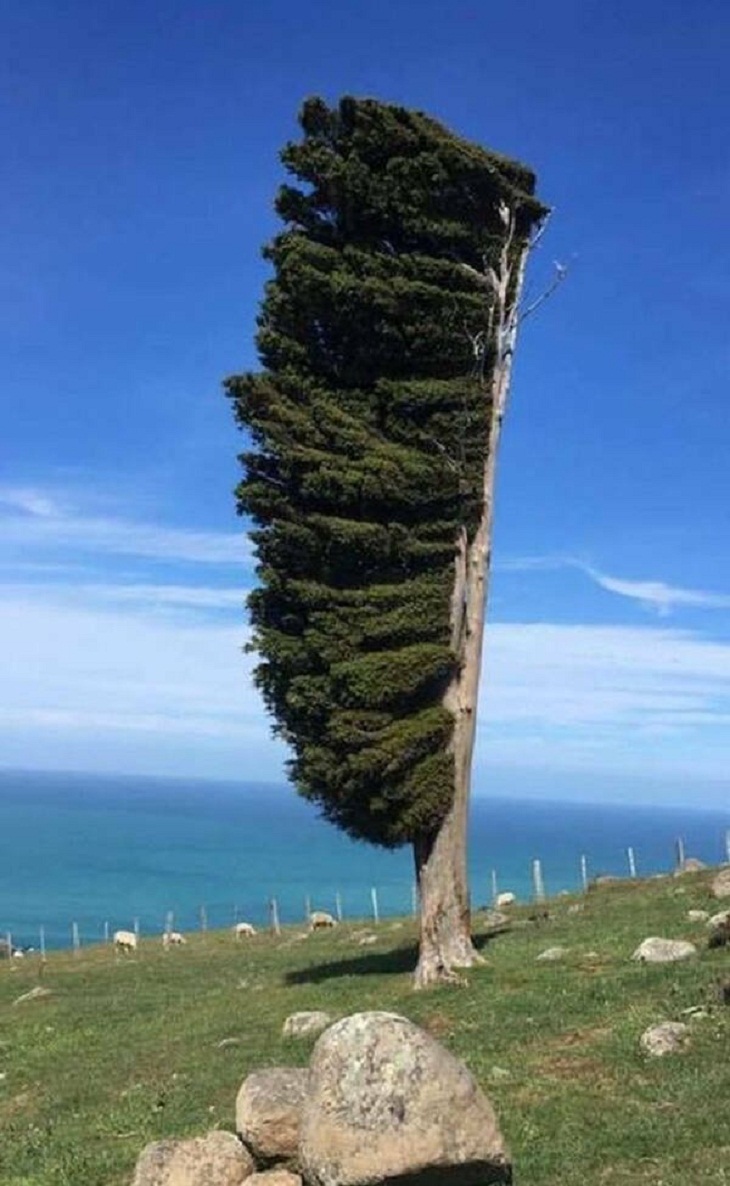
(99, 850)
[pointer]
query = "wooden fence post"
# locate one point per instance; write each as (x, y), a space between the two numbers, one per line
(274, 907)
(632, 861)
(374, 900)
(584, 873)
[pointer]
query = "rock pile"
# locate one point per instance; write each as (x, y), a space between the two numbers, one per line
(381, 1101)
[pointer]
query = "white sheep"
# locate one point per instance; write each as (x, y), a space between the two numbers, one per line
(319, 919)
(244, 930)
(505, 899)
(125, 941)
(173, 939)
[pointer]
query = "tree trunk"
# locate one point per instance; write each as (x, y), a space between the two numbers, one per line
(441, 859)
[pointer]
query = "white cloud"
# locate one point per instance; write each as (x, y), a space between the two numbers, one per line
(657, 594)
(653, 594)
(46, 525)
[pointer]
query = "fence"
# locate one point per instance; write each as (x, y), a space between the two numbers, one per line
(269, 915)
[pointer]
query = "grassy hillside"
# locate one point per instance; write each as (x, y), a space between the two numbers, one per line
(128, 1050)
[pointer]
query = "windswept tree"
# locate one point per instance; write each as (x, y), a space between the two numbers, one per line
(386, 338)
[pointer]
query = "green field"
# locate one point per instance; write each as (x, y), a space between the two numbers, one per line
(127, 1050)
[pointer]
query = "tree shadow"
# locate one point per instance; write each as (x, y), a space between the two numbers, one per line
(374, 963)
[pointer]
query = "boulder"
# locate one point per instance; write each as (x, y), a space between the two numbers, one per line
(697, 915)
(552, 955)
(669, 1037)
(720, 887)
(217, 1159)
(268, 1112)
(306, 1024)
(387, 1101)
(664, 951)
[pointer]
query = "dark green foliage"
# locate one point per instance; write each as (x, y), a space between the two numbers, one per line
(369, 427)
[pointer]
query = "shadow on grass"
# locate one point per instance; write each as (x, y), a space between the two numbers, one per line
(372, 963)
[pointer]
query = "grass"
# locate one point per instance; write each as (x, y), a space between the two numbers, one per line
(127, 1050)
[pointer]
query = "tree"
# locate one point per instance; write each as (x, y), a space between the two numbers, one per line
(386, 338)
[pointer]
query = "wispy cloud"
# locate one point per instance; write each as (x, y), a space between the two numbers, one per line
(652, 594)
(657, 594)
(35, 520)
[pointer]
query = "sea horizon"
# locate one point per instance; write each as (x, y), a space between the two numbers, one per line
(104, 851)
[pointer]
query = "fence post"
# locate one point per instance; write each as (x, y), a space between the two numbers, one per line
(680, 852)
(495, 891)
(374, 900)
(9, 943)
(538, 881)
(42, 937)
(338, 906)
(632, 861)
(106, 932)
(169, 921)
(136, 930)
(203, 919)
(75, 937)
(274, 906)
(307, 907)
(584, 873)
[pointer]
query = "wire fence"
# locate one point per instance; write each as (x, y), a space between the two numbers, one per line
(373, 906)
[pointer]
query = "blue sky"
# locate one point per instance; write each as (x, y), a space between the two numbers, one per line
(142, 144)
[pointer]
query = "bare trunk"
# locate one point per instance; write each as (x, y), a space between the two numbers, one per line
(441, 859)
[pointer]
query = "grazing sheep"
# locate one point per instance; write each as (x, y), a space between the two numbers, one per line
(125, 941)
(319, 919)
(244, 930)
(505, 899)
(173, 939)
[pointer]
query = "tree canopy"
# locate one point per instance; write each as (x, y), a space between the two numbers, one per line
(368, 428)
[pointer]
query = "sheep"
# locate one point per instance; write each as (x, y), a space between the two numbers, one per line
(125, 941)
(505, 899)
(244, 930)
(320, 919)
(172, 939)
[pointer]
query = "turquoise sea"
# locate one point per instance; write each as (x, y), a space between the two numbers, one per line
(96, 849)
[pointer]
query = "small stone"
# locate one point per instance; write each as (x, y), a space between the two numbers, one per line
(268, 1112)
(217, 1159)
(277, 1177)
(592, 955)
(552, 955)
(35, 994)
(695, 1012)
(499, 1074)
(306, 1024)
(690, 865)
(367, 940)
(226, 1043)
(720, 887)
(669, 1037)
(576, 908)
(698, 915)
(496, 920)
(664, 951)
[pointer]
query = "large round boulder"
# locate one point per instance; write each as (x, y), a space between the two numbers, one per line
(268, 1113)
(218, 1159)
(386, 1101)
